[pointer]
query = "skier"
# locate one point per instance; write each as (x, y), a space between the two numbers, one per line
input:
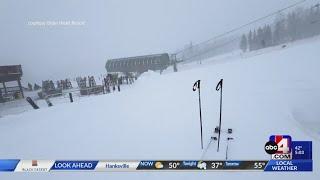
(175, 68)
(108, 88)
(127, 79)
(29, 87)
(119, 82)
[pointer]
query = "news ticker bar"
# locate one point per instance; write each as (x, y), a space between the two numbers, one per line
(16, 165)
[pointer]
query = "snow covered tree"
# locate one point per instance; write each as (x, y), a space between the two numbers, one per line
(268, 35)
(244, 43)
(254, 40)
(280, 34)
(260, 39)
(298, 24)
(250, 41)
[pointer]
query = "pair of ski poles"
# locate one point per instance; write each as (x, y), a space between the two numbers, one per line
(219, 86)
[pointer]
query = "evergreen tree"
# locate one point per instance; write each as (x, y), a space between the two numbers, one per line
(244, 43)
(254, 40)
(260, 39)
(250, 41)
(279, 31)
(268, 32)
(298, 24)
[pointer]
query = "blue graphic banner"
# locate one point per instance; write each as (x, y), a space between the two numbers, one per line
(74, 165)
(301, 149)
(8, 164)
(289, 165)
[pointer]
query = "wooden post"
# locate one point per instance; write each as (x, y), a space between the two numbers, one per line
(20, 86)
(5, 88)
(1, 98)
(70, 97)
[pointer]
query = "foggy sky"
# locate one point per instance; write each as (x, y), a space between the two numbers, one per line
(113, 28)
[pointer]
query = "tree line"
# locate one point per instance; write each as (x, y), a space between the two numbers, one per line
(298, 24)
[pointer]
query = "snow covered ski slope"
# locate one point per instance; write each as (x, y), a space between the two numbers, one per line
(158, 118)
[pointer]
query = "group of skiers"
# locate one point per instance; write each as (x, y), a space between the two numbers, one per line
(64, 84)
(110, 82)
(87, 85)
(82, 82)
(48, 85)
(61, 84)
(114, 81)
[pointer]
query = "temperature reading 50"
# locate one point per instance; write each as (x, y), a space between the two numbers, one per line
(173, 165)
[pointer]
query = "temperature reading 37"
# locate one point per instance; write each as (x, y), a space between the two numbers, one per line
(216, 165)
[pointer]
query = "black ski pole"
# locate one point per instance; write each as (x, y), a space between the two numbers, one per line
(195, 87)
(219, 88)
(71, 98)
(227, 150)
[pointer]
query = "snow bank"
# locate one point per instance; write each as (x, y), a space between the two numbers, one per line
(274, 93)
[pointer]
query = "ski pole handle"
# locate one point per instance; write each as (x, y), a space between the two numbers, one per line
(219, 85)
(196, 85)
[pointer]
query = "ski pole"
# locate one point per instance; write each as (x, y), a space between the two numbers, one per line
(227, 149)
(219, 88)
(195, 87)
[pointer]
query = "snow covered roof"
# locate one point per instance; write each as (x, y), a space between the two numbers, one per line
(10, 73)
(138, 63)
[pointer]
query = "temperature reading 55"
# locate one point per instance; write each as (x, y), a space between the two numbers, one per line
(259, 165)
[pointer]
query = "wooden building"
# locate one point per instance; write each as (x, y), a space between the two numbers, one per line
(8, 74)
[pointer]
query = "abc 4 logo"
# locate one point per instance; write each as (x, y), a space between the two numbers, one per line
(279, 145)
